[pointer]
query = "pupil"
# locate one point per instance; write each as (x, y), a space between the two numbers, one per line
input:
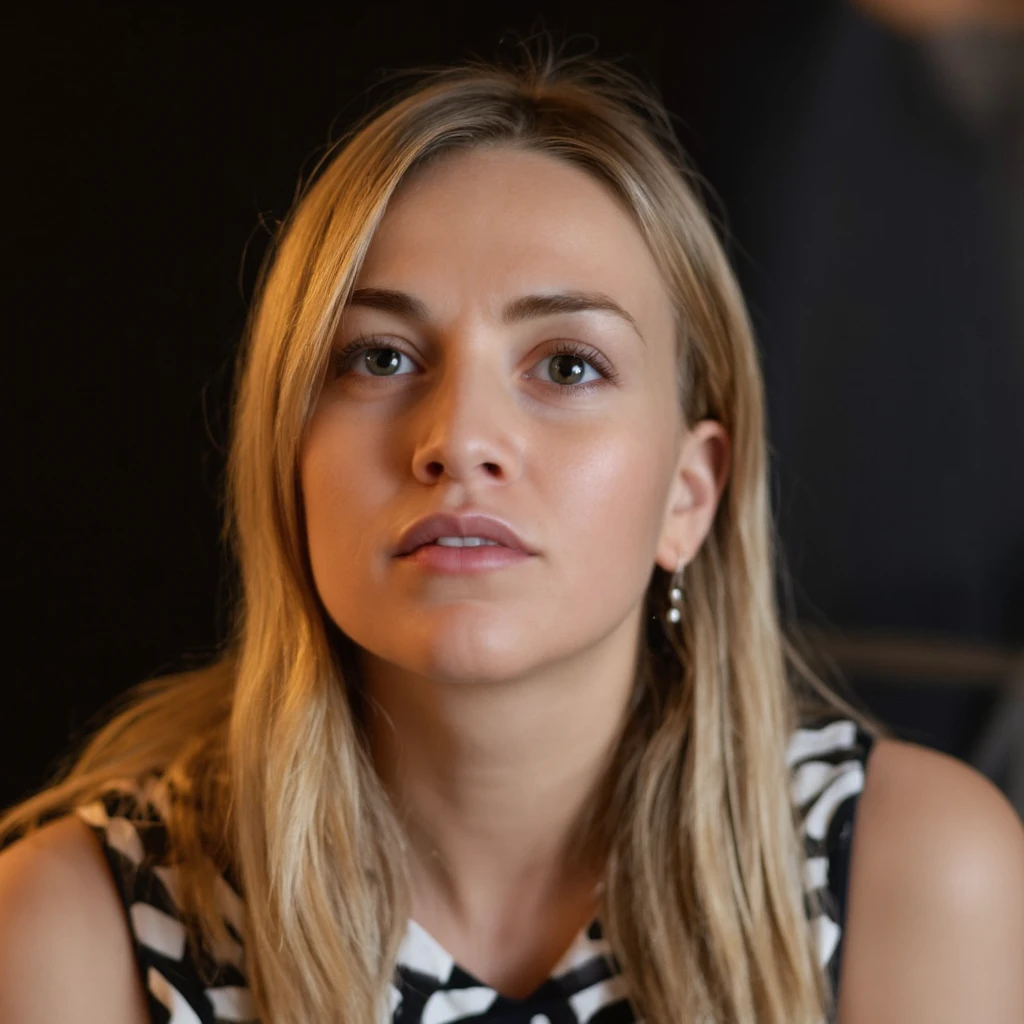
(380, 362)
(576, 371)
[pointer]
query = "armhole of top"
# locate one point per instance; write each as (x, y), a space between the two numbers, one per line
(840, 846)
(178, 978)
(123, 874)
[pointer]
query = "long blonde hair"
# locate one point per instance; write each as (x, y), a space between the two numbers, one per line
(263, 751)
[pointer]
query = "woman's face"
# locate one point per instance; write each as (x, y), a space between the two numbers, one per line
(466, 410)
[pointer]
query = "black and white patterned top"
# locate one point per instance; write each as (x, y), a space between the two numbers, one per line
(827, 762)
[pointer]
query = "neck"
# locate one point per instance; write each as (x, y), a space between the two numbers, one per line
(492, 779)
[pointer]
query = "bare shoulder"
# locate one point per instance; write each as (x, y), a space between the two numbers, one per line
(935, 919)
(65, 947)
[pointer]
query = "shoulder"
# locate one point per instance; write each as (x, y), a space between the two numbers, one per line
(65, 946)
(935, 926)
(937, 829)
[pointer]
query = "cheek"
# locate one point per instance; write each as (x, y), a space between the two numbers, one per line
(612, 502)
(339, 496)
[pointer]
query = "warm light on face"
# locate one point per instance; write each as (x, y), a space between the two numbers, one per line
(509, 349)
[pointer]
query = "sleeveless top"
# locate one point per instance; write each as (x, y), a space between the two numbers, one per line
(827, 762)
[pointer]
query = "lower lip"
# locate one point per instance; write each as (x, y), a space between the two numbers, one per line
(462, 560)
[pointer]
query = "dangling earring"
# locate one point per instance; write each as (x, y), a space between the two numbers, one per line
(675, 613)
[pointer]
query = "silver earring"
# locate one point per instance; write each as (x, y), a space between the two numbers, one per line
(675, 613)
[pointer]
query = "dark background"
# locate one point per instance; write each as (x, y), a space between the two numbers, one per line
(150, 150)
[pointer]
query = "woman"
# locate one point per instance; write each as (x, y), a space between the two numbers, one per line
(506, 729)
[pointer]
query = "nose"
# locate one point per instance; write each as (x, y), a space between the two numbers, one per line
(466, 427)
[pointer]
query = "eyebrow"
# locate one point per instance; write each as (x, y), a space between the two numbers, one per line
(526, 307)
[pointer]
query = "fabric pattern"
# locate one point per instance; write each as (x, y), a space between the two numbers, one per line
(827, 763)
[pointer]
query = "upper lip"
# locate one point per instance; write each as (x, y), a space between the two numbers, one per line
(446, 524)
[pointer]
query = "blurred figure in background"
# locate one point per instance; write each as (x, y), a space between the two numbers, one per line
(871, 159)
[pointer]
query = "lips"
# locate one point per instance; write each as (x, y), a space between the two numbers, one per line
(428, 529)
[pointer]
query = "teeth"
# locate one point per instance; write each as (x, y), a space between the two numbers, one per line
(463, 542)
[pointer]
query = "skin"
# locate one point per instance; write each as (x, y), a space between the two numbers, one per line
(927, 16)
(935, 924)
(500, 704)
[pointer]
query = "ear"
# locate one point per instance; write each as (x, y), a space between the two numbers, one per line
(701, 474)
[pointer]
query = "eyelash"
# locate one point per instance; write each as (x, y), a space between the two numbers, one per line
(341, 360)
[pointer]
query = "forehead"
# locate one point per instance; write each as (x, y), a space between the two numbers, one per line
(483, 225)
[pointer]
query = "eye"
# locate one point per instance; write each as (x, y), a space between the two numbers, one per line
(382, 361)
(566, 360)
(379, 360)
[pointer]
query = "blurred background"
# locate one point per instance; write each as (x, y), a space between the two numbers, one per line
(865, 165)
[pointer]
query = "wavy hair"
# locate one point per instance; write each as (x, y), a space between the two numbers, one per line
(263, 751)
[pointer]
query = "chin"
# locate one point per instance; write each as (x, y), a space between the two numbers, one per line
(458, 652)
